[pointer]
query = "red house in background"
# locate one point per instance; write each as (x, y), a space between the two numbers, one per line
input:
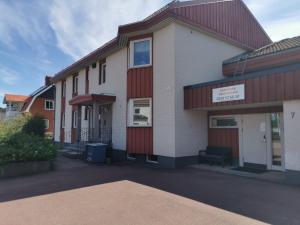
(40, 102)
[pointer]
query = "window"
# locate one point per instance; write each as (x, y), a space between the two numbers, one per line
(102, 73)
(141, 53)
(75, 85)
(63, 119)
(75, 119)
(49, 105)
(86, 113)
(223, 122)
(46, 124)
(63, 89)
(152, 158)
(87, 82)
(140, 112)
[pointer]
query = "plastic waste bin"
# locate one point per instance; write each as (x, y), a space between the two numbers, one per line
(96, 152)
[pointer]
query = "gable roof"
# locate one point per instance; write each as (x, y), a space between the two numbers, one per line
(30, 100)
(229, 20)
(14, 98)
(274, 48)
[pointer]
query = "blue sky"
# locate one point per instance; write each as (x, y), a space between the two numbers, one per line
(42, 37)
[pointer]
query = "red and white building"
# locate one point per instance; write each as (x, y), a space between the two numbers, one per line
(40, 102)
(165, 88)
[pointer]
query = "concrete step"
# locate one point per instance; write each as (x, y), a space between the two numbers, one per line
(71, 154)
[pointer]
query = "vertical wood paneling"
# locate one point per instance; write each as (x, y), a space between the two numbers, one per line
(224, 138)
(140, 85)
(270, 88)
(139, 140)
(231, 19)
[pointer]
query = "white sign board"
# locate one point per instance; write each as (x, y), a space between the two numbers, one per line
(230, 93)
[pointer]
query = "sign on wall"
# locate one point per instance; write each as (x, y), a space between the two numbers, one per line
(230, 93)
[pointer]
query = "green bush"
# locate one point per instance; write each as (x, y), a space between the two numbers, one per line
(35, 125)
(22, 140)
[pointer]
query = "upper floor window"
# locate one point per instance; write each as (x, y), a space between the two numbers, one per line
(87, 83)
(140, 112)
(63, 89)
(102, 73)
(141, 53)
(75, 84)
(49, 104)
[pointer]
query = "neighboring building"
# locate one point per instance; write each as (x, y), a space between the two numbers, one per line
(40, 102)
(14, 104)
(2, 114)
(156, 90)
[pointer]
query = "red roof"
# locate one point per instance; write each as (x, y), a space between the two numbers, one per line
(14, 98)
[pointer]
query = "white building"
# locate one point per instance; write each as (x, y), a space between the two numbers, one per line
(154, 90)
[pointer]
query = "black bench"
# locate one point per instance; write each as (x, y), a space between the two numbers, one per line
(214, 154)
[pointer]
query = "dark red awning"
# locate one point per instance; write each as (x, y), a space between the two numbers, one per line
(90, 99)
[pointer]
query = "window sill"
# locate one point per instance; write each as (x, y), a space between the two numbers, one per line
(139, 67)
(144, 126)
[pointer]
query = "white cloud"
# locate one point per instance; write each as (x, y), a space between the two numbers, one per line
(279, 18)
(25, 20)
(83, 26)
(8, 77)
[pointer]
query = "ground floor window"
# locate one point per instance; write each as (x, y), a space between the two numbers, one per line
(75, 119)
(46, 124)
(152, 158)
(63, 119)
(140, 112)
(131, 156)
(223, 122)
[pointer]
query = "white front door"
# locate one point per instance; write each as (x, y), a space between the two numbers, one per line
(254, 139)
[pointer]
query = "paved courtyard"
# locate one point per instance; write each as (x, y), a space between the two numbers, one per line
(79, 194)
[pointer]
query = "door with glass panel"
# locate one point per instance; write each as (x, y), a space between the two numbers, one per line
(277, 141)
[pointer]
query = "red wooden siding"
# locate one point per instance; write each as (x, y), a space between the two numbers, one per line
(140, 82)
(224, 138)
(140, 140)
(268, 88)
(272, 109)
(230, 19)
(140, 85)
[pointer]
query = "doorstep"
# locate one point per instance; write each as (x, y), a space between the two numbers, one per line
(271, 176)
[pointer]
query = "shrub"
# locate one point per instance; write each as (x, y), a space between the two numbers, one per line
(11, 127)
(35, 125)
(22, 139)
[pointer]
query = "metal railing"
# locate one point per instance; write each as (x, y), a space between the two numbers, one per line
(86, 135)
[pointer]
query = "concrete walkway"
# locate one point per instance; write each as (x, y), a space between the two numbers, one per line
(78, 193)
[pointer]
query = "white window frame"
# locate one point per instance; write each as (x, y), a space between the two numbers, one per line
(63, 120)
(64, 86)
(75, 83)
(131, 53)
(130, 113)
(47, 124)
(50, 102)
(75, 119)
(101, 81)
(150, 161)
(223, 117)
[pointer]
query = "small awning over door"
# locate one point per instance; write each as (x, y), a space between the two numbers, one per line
(93, 98)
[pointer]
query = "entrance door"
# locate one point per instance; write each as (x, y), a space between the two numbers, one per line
(277, 141)
(255, 139)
